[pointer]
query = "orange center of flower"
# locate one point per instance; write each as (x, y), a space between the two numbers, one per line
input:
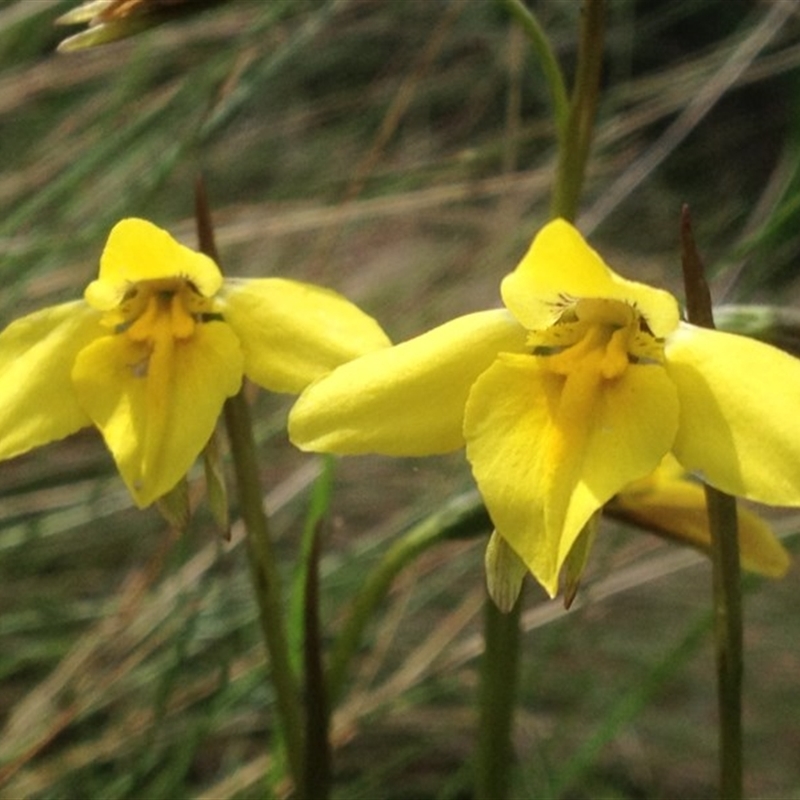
(170, 307)
(156, 315)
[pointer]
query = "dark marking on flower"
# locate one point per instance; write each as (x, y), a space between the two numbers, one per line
(547, 350)
(643, 360)
(139, 369)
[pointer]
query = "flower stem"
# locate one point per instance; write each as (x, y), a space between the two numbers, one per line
(496, 700)
(266, 581)
(576, 140)
(318, 746)
(725, 561)
(728, 638)
(263, 565)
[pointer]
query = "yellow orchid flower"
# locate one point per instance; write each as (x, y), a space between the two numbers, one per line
(154, 348)
(581, 385)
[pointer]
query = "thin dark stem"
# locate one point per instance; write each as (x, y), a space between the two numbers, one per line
(698, 295)
(728, 635)
(725, 562)
(318, 749)
(266, 582)
(261, 556)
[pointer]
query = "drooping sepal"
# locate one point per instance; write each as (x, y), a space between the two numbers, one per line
(505, 571)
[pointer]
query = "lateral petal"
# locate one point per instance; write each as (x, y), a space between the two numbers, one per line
(157, 410)
(739, 405)
(560, 267)
(544, 467)
(37, 399)
(292, 333)
(408, 399)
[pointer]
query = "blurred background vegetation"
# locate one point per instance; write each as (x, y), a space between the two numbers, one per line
(401, 152)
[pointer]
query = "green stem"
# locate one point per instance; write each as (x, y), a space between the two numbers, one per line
(576, 142)
(263, 566)
(461, 517)
(725, 561)
(266, 582)
(496, 701)
(318, 747)
(304, 619)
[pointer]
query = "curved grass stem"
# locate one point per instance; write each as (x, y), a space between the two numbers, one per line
(461, 517)
(547, 60)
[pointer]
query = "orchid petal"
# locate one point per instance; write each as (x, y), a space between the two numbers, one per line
(156, 410)
(739, 405)
(546, 457)
(137, 250)
(36, 395)
(408, 399)
(560, 267)
(293, 333)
